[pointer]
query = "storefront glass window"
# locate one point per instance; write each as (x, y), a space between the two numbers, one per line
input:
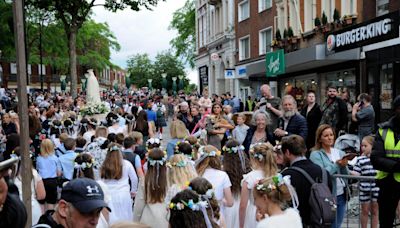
(386, 75)
(345, 80)
(298, 89)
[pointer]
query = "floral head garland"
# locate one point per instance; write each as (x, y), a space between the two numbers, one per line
(199, 206)
(115, 148)
(277, 181)
(153, 141)
(177, 146)
(237, 150)
(180, 164)
(157, 163)
(83, 166)
(257, 155)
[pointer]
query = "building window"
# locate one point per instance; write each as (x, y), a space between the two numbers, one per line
(382, 7)
(265, 40)
(349, 7)
(264, 4)
(244, 10)
(244, 48)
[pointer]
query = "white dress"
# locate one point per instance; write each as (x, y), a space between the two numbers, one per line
(231, 214)
(153, 215)
(116, 130)
(36, 209)
(251, 179)
(289, 219)
(121, 200)
(219, 180)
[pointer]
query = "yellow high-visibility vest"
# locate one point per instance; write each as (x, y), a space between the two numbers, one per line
(392, 151)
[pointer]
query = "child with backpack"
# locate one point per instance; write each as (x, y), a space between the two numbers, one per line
(369, 191)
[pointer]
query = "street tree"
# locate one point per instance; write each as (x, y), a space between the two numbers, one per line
(73, 14)
(184, 21)
(167, 62)
(140, 69)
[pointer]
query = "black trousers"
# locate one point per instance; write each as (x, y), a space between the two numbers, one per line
(389, 195)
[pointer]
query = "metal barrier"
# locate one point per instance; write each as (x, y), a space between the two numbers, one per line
(352, 217)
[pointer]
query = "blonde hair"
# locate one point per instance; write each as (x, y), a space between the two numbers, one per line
(178, 130)
(46, 148)
(101, 132)
(267, 163)
(208, 161)
(63, 137)
(278, 194)
(177, 174)
(369, 139)
(129, 225)
(136, 135)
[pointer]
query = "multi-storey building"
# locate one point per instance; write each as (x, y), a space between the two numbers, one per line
(215, 44)
(254, 26)
(353, 44)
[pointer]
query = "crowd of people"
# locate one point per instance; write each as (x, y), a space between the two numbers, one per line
(228, 163)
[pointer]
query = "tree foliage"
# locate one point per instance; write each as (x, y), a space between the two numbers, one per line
(141, 68)
(184, 21)
(73, 14)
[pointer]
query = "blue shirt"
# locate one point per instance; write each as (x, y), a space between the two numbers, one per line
(171, 147)
(60, 150)
(48, 166)
(151, 115)
(67, 161)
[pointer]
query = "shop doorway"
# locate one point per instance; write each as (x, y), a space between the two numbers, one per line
(298, 87)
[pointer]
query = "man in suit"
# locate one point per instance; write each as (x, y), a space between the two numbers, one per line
(294, 149)
(291, 121)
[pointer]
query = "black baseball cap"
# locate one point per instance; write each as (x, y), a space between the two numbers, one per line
(85, 194)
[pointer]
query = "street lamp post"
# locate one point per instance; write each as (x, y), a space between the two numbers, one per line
(174, 84)
(180, 82)
(63, 83)
(164, 81)
(150, 85)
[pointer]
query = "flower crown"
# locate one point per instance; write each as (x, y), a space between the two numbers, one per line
(153, 141)
(277, 181)
(84, 165)
(115, 148)
(153, 162)
(258, 156)
(233, 149)
(180, 164)
(190, 204)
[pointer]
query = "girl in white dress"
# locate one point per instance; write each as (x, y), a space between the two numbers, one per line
(150, 206)
(116, 173)
(180, 173)
(263, 164)
(114, 126)
(271, 195)
(204, 188)
(235, 164)
(209, 167)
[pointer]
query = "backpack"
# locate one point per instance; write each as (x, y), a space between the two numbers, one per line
(159, 112)
(322, 202)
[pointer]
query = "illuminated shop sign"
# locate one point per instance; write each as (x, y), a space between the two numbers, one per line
(379, 29)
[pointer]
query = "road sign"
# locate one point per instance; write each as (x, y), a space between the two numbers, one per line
(275, 63)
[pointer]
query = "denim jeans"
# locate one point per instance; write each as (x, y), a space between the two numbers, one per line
(341, 209)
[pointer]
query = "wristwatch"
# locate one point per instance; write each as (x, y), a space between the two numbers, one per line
(286, 133)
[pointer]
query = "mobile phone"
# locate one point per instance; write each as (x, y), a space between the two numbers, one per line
(361, 104)
(349, 156)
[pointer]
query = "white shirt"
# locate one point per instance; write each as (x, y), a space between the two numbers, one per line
(334, 156)
(289, 219)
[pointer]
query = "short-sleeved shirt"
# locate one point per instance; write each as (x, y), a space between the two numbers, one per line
(366, 121)
(48, 166)
(364, 167)
(275, 102)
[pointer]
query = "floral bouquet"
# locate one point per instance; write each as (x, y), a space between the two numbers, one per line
(94, 108)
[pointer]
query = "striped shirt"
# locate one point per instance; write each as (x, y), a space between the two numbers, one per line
(364, 167)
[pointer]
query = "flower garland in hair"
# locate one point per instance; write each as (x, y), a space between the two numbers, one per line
(115, 148)
(153, 141)
(153, 162)
(213, 153)
(257, 155)
(277, 181)
(235, 149)
(177, 146)
(190, 204)
(180, 164)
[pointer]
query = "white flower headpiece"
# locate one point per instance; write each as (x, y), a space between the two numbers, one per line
(153, 141)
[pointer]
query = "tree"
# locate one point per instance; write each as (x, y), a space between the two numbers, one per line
(7, 46)
(139, 68)
(184, 21)
(73, 14)
(167, 62)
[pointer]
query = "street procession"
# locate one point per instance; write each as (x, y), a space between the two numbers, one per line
(223, 114)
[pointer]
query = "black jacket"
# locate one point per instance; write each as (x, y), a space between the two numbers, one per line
(303, 187)
(297, 125)
(378, 155)
(313, 118)
(47, 218)
(250, 134)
